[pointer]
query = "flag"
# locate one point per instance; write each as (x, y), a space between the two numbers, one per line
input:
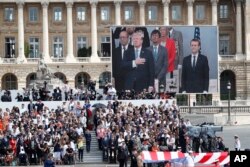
(197, 35)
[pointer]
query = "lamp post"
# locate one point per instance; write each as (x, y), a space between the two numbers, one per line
(229, 98)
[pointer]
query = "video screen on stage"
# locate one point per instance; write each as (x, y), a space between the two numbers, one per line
(174, 59)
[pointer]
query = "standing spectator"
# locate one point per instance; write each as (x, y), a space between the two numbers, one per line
(88, 140)
(80, 146)
(39, 105)
(31, 107)
(237, 143)
(122, 155)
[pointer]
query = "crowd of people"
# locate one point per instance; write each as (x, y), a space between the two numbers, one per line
(122, 130)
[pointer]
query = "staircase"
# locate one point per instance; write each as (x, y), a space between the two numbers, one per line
(95, 155)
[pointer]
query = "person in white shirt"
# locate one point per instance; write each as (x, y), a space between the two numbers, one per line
(189, 160)
(22, 109)
(79, 130)
(237, 143)
(111, 92)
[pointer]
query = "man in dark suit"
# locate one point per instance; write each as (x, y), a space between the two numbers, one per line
(195, 71)
(160, 57)
(139, 64)
(118, 56)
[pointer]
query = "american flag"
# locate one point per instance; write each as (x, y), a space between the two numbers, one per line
(197, 34)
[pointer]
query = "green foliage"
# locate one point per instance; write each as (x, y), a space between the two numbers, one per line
(204, 99)
(84, 52)
(182, 99)
(26, 49)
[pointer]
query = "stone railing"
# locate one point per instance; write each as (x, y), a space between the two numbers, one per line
(57, 59)
(105, 59)
(33, 60)
(10, 60)
(228, 57)
(213, 110)
(83, 59)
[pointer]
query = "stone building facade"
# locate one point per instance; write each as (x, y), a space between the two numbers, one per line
(56, 29)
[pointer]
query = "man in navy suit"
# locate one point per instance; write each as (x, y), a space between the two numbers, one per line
(160, 55)
(195, 71)
(139, 64)
(118, 56)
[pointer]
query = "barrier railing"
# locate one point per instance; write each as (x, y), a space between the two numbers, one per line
(213, 110)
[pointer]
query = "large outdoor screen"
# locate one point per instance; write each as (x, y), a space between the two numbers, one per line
(176, 59)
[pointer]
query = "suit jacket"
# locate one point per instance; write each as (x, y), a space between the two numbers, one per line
(160, 64)
(142, 76)
(177, 36)
(118, 72)
(195, 80)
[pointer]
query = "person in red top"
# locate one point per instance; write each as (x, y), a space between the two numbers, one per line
(13, 143)
(170, 46)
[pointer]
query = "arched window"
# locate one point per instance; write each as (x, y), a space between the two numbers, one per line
(9, 82)
(104, 78)
(82, 79)
(30, 78)
(225, 77)
(61, 76)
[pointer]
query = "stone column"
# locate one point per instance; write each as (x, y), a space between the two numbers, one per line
(21, 57)
(190, 12)
(165, 12)
(142, 11)
(214, 12)
(247, 29)
(46, 56)
(70, 55)
(247, 44)
(238, 27)
(118, 12)
(94, 56)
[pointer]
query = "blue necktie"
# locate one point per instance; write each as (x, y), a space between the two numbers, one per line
(155, 53)
(136, 53)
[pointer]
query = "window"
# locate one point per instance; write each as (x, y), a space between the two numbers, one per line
(128, 13)
(105, 39)
(81, 42)
(223, 11)
(105, 13)
(57, 14)
(34, 47)
(105, 46)
(224, 44)
(9, 82)
(104, 78)
(152, 13)
(33, 14)
(9, 14)
(10, 47)
(81, 13)
(82, 80)
(200, 12)
(176, 12)
(58, 47)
